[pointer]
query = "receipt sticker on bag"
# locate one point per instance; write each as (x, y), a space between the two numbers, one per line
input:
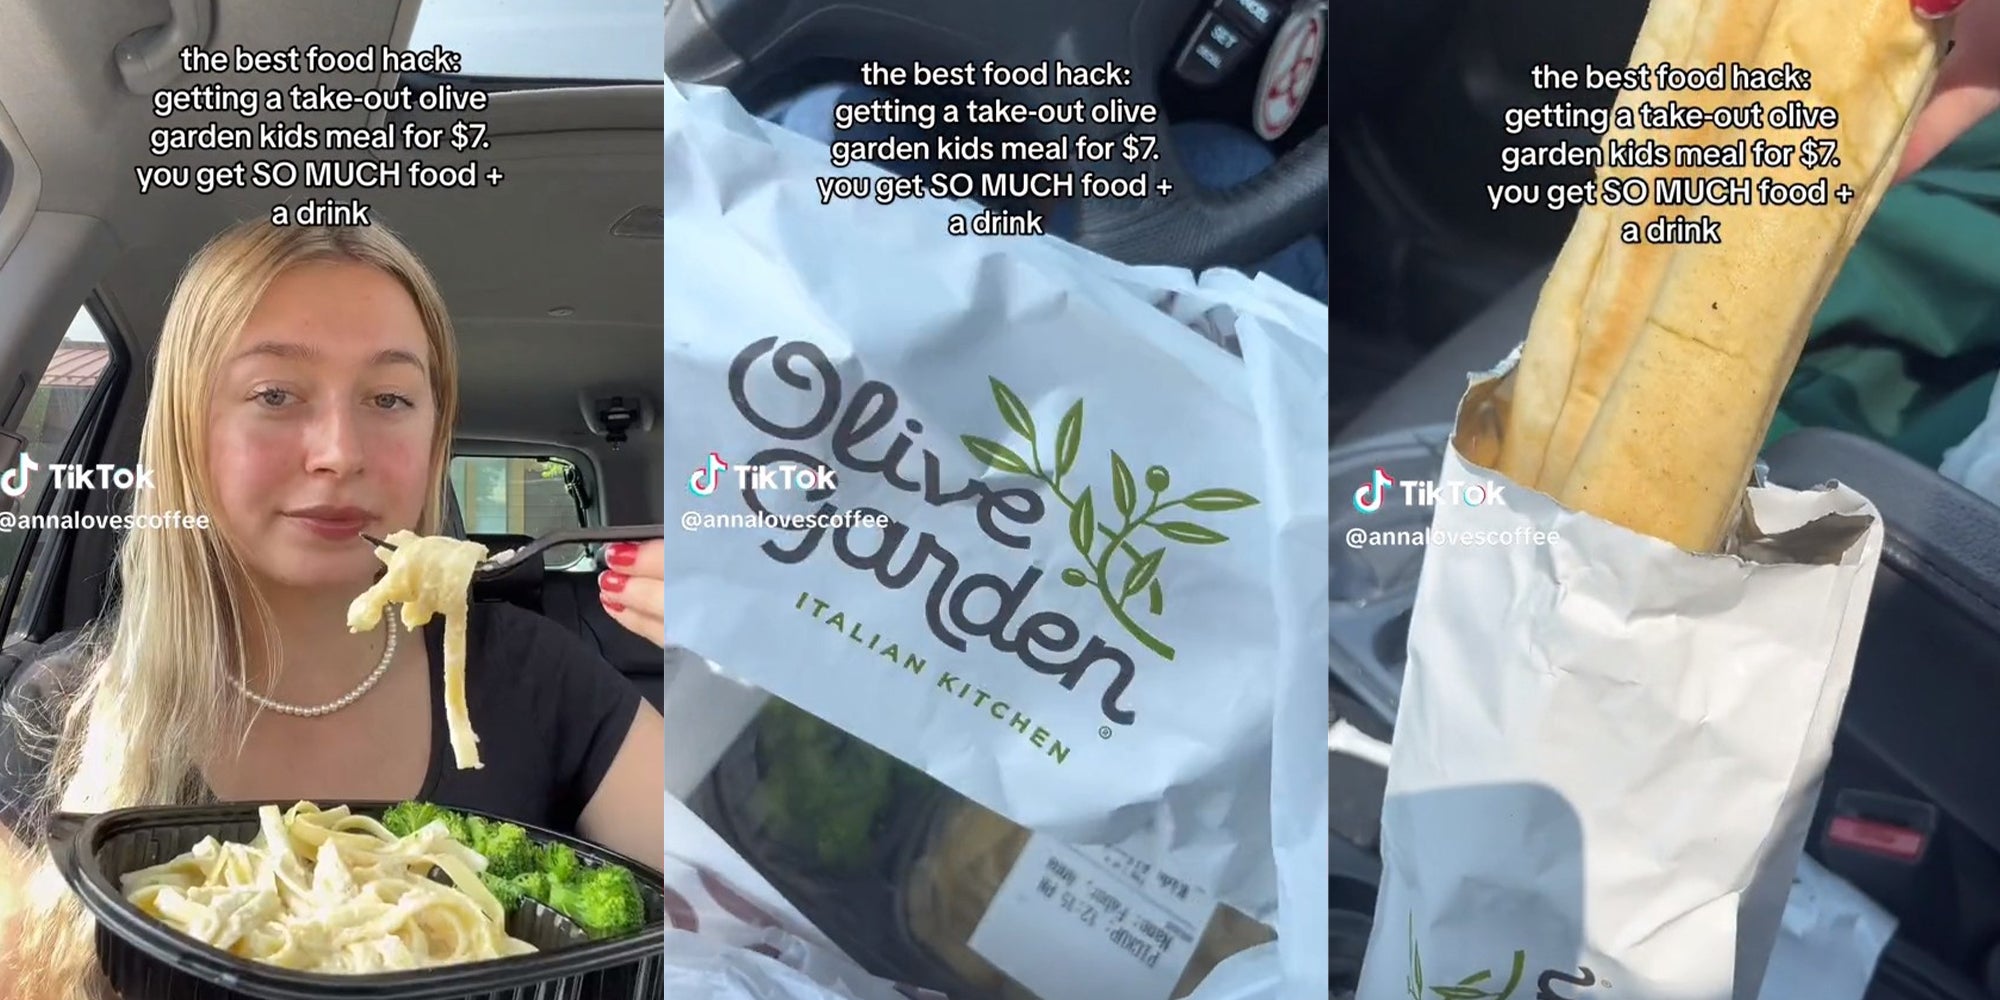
(1073, 598)
(1126, 930)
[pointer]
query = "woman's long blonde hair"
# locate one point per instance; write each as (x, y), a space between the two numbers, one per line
(154, 703)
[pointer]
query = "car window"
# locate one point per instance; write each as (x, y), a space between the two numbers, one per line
(548, 39)
(54, 417)
(512, 495)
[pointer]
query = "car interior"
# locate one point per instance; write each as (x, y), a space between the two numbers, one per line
(1199, 61)
(551, 277)
(767, 51)
(1430, 285)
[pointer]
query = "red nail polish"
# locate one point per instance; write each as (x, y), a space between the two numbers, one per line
(610, 582)
(609, 604)
(1935, 8)
(622, 554)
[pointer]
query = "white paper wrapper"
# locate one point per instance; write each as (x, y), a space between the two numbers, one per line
(782, 313)
(1608, 749)
(1830, 942)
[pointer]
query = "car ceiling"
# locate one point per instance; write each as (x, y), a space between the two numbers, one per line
(576, 160)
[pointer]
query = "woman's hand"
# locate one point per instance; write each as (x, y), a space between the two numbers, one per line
(1968, 84)
(633, 590)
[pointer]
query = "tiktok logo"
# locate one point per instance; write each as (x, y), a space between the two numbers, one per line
(14, 482)
(1368, 499)
(708, 478)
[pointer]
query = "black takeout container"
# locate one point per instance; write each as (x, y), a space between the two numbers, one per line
(147, 960)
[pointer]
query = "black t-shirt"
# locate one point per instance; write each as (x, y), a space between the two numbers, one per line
(551, 712)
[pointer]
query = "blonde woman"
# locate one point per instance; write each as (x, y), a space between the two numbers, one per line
(304, 393)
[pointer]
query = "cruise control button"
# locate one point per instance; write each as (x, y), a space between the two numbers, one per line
(1218, 33)
(1258, 17)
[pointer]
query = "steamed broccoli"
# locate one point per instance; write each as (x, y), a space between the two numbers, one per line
(409, 817)
(560, 862)
(534, 885)
(826, 794)
(603, 901)
(507, 848)
(506, 890)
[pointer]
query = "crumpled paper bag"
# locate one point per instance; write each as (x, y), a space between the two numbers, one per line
(1106, 557)
(1830, 941)
(731, 934)
(1608, 749)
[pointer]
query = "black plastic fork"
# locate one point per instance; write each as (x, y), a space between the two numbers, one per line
(568, 536)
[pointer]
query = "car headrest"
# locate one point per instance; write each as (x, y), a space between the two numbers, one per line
(454, 522)
(520, 585)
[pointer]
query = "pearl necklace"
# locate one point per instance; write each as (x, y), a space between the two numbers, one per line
(388, 654)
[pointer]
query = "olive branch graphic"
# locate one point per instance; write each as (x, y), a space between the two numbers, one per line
(1468, 988)
(1086, 531)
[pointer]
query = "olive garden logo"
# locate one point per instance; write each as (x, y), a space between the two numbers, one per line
(1085, 530)
(873, 445)
(1485, 984)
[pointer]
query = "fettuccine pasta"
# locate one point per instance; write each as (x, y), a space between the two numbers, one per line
(428, 575)
(331, 892)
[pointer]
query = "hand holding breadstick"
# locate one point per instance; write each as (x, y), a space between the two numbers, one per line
(1968, 84)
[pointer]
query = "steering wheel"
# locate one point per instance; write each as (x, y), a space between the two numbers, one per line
(751, 46)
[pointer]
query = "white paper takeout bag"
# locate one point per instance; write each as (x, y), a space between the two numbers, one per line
(1102, 583)
(732, 936)
(1608, 749)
